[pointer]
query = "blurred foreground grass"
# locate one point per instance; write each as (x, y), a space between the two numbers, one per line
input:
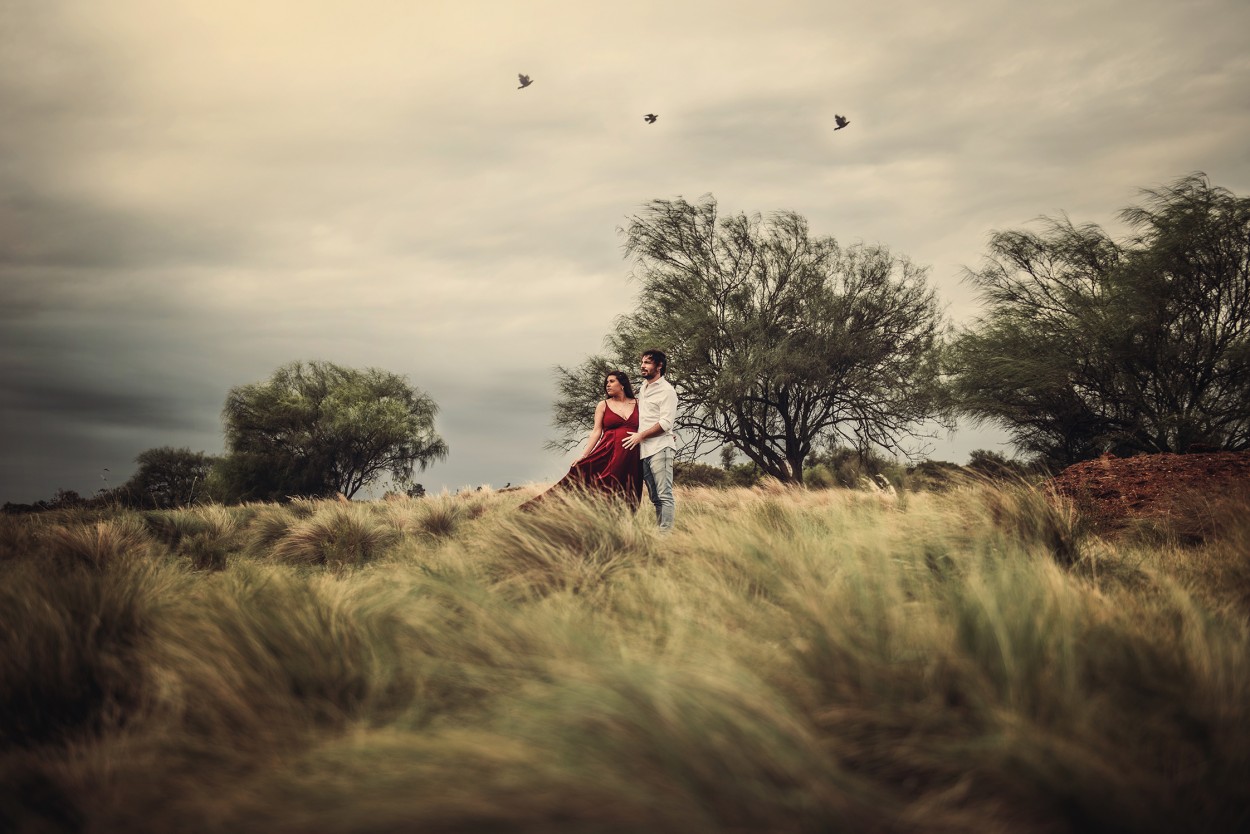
(784, 661)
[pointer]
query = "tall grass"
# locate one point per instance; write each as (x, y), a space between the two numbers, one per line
(337, 535)
(785, 660)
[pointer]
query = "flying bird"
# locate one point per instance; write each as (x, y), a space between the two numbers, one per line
(525, 81)
(651, 117)
(842, 121)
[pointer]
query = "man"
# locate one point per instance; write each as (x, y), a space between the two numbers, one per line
(657, 412)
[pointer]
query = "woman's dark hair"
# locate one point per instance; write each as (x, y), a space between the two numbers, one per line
(658, 357)
(623, 379)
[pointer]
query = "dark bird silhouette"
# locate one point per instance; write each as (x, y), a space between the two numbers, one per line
(842, 121)
(651, 117)
(525, 81)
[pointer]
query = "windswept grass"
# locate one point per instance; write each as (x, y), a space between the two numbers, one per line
(206, 535)
(575, 544)
(100, 544)
(785, 660)
(336, 535)
(269, 525)
(75, 639)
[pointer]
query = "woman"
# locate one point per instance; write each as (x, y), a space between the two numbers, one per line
(606, 466)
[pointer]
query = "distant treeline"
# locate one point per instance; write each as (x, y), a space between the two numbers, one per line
(169, 478)
(788, 349)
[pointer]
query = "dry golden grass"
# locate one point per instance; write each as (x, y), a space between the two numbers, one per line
(784, 660)
(98, 545)
(335, 535)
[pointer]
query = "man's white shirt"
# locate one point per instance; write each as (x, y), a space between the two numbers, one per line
(657, 403)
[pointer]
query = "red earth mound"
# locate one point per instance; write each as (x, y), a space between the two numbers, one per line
(1112, 490)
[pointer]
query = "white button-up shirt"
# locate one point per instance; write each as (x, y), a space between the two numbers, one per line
(657, 403)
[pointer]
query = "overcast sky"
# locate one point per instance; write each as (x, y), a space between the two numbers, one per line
(195, 193)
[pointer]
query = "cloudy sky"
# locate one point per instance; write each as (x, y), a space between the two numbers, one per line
(195, 193)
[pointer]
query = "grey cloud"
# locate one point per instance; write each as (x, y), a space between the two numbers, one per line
(83, 403)
(54, 453)
(102, 377)
(50, 231)
(60, 425)
(105, 381)
(792, 130)
(166, 233)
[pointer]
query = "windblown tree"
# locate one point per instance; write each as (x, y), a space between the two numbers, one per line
(317, 429)
(779, 342)
(1090, 345)
(167, 477)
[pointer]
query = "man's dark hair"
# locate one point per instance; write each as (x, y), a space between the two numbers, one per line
(658, 357)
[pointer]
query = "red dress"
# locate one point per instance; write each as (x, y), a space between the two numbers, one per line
(609, 468)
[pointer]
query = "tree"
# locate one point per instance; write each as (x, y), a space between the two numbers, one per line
(318, 429)
(1091, 345)
(777, 340)
(994, 465)
(167, 478)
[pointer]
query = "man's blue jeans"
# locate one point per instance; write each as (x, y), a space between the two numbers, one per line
(657, 474)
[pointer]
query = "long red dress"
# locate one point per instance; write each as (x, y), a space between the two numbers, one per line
(609, 468)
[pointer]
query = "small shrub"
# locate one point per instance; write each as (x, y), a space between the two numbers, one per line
(773, 515)
(934, 476)
(819, 477)
(1035, 515)
(744, 475)
(848, 468)
(1195, 517)
(264, 653)
(440, 518)
(475, 503)
(571, 542)
(220, 522)
(996, 467)
(100, 545)
(19, 537)
(206, 552)
(73, 641)
(693, 474)
(206, 535)
(268, 526)
(172, 526)
(303, 507)
(338, 535)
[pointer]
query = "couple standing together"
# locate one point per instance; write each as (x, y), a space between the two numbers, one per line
(632, 442)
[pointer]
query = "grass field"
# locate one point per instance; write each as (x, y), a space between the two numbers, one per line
(785, 660)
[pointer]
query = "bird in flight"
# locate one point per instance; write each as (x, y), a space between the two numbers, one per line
(525, 81)
(842, 121)
(651, 117)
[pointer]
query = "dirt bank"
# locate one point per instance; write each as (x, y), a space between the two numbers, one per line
(1112, 491)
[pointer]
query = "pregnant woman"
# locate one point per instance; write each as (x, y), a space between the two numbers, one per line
(607, 466)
